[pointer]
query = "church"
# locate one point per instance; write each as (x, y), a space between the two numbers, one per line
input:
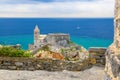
(57, 40)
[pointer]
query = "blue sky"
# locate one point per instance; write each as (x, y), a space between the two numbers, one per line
(57, 8)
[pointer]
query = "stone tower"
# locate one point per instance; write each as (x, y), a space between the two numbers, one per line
(36, 36)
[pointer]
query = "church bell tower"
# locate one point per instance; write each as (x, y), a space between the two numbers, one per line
(36, 36)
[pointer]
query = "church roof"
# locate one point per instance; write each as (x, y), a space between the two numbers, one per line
(42, 36)
(36, 29)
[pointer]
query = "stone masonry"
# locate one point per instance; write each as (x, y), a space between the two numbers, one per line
(10, 63)
(112, 68)
(97, 53)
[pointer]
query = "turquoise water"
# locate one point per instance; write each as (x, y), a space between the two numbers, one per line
(91, 42)
(24, 40)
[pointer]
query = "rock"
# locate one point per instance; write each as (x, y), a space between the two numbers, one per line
(74, 53)
(0, 62)
(19, 64)
(6, 63)
(31, 68)
(73, 67)
(3, 67)
(115, 67)
(118, 56)
(49, 55)
(29, 63)
(107, 78)
(12, 67)
(39, 67)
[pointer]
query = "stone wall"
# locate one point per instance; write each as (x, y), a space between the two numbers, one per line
(60, 40)
(98, 54)
(41, 64)
(112, 68)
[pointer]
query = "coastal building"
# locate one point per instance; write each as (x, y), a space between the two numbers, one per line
(57, 40)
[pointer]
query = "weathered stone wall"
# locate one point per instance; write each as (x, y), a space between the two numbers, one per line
(41, 64)
(58, 40)
(117, 25)
(112, 68)
(98, 54)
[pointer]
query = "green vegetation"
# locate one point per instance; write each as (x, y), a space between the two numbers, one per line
(62, 50)
(13, 52)
(71, 42)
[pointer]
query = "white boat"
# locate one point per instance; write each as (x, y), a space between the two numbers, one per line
(77, 27)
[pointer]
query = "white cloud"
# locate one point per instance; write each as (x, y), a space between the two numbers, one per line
(101, 8)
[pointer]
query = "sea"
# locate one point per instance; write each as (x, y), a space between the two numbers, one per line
(88, 32)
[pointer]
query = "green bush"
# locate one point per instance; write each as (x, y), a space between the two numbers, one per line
(13, 52)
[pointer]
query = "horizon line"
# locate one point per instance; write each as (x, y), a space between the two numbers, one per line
(60, 17)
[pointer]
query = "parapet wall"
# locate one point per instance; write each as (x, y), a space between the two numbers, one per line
(31, 64)
(112, 68)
